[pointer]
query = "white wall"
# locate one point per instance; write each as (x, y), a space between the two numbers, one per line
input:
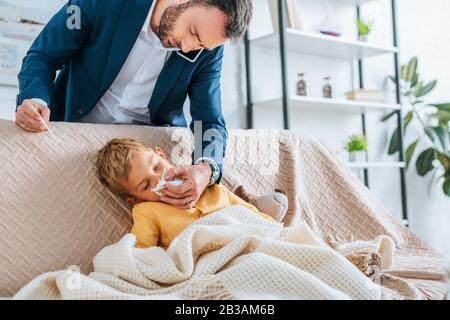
(422, 32)
(423, 27)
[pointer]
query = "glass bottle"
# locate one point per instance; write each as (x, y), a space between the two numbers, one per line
(327, 89)
(301, 85)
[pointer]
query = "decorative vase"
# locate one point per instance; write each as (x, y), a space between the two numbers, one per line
(357, 156)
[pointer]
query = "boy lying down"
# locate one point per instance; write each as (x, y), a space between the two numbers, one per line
(134, 170)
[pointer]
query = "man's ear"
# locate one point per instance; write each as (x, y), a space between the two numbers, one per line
(160, 153)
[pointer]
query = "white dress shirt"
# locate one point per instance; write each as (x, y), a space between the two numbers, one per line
(127, 100)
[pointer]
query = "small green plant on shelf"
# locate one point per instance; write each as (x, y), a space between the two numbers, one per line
(364, 29)
(356, 145)
(356, 142)
(433, 120)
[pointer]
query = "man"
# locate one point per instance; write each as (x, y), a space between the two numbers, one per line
(119, 65)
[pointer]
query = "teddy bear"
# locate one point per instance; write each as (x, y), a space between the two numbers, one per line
(274, 204)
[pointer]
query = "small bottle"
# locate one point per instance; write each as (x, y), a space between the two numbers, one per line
(327, 89)
(301, 85)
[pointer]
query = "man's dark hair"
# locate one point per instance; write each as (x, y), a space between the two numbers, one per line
(239, 14)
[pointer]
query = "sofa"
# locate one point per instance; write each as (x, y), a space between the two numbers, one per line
(54, 213)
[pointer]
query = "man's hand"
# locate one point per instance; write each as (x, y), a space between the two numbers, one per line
(196, 179)
(27, 116)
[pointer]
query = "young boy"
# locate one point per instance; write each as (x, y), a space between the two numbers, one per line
(133, 169)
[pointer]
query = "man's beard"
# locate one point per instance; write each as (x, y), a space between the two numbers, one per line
(169, 19)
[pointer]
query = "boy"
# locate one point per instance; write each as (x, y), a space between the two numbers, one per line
(133, 169)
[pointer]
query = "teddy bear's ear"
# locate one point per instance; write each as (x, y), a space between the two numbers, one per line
(280, 191)
(244, 195)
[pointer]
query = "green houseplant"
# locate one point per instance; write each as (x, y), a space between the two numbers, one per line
(364, 29)
(356, 146)
(433, 119)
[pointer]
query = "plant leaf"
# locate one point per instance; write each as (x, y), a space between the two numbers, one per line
(426, 89)
(404, 72)
(443, 137)
(443, 117)
(388, 116)
(410, 152)
(445, 161)
(393, 145)
(430, 133)
(446, 187)
(407, 120)
(424, 162)
(412, 69)
(417, 88)
(414, 80)
(442, 106)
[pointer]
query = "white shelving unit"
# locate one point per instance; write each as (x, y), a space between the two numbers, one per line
(356, 2)
(311, 103)
(308, 43)
(368, 165)
(323, 45)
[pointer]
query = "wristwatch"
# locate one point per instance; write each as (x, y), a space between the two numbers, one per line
(214, 168)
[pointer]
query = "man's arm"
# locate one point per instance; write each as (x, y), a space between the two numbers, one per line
(205, 97)
(58, 42)
(206, 111)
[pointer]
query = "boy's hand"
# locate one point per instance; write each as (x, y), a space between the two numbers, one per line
(196, 179)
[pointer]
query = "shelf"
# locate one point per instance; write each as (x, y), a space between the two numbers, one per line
(356, 2)
(367, 165)
(323, 45)
(330, 104)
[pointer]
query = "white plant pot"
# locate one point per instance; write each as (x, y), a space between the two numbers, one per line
(363, 38)
(357, 156)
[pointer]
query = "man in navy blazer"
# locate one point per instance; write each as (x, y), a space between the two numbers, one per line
(135, 62)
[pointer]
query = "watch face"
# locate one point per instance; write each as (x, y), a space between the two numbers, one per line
(215, 173)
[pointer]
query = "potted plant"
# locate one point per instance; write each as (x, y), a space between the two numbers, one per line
(364, 28)
(433, 120)
(357, 146)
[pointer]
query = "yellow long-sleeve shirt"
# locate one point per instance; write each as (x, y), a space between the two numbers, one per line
(158, 223)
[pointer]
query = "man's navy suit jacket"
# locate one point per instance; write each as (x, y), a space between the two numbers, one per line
(89, 59)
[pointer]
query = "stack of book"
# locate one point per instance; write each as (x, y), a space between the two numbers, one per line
(366, 95)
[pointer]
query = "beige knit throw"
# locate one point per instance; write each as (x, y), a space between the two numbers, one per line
(231, 254)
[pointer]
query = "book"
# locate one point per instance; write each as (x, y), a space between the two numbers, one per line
(273, 4)
(293, 12)
(366, 95)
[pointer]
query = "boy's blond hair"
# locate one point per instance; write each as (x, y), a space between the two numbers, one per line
(113, 162)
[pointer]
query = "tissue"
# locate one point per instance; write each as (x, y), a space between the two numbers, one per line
(162, 182)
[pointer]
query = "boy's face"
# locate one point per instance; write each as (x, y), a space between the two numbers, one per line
(146, 169)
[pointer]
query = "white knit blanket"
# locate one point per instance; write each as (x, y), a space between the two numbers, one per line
(231, 254)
